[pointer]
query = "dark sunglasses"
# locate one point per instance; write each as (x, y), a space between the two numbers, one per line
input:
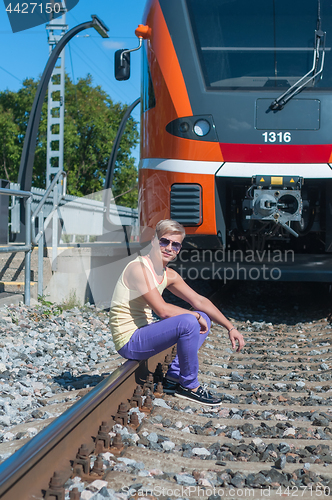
(164, 242)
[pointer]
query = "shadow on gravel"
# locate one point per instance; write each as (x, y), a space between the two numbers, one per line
(68, 382)
(276, 302)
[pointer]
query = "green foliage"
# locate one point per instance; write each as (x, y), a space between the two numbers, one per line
(71, 302)
(47, 309)
(44, 302)
(91, 124)
(9, 151)
(14, 116)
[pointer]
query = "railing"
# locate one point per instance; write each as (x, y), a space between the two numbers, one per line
(23, 248)
(38, 239)
(79, 216)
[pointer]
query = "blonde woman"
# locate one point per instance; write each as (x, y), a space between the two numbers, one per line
(137, 335)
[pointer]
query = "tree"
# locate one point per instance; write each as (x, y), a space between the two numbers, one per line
(91, 123)
(9, 151)
(14, 116)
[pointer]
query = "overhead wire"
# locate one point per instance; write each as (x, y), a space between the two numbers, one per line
(115, 37)
(72, 70)
(26, 32)
(109, 59)
(107, 83)
(103, 52)
(71, 62)
(94, 70)
(11, 74)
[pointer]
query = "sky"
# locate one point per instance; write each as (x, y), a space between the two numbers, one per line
(25, 54)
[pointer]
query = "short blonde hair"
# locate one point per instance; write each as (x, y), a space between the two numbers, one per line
(169, 226)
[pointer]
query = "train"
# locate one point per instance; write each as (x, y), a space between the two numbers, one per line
(236, 133)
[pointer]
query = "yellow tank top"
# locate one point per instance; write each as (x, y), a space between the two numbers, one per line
(129, 310)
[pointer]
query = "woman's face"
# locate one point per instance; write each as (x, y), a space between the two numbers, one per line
(168, 246)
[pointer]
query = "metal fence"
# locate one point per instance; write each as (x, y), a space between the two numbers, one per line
(70, 218)
(16, 193)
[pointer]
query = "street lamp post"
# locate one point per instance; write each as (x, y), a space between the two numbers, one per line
(29, 146)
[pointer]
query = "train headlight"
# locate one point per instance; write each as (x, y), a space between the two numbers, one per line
(184, 127)
(202, 127)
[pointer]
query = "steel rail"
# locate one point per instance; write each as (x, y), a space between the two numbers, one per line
(26, 474)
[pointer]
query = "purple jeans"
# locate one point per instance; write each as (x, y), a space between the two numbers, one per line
(182, 330)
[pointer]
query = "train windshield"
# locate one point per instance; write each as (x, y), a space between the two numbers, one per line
(263, 43)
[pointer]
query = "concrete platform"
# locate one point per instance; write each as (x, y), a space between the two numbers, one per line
(8, 298)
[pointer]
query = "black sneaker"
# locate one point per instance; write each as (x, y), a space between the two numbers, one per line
(201, 396)
(170, 386)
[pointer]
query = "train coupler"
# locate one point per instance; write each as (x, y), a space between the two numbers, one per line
(275, 199)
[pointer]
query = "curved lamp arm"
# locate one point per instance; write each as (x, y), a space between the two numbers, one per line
(29, 146)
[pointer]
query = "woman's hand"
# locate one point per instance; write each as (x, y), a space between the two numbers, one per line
(235, 336)
(203, 324)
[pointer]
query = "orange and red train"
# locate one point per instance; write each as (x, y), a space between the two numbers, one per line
(236, 126)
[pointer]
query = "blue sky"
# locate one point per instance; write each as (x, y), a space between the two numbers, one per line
(24, 54)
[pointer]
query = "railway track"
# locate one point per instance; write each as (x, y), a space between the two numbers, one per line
(271, 437)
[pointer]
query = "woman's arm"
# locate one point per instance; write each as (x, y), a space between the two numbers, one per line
(179, 287)
(138, 277)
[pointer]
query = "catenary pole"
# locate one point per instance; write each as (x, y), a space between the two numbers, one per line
(28, 153)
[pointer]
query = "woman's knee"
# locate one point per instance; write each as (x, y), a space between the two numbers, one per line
(189, 323)
(206, 317)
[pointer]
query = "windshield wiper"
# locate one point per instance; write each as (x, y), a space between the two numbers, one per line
(280, 102)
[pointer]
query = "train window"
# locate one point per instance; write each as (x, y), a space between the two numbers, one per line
(261, 44)
(148, 97)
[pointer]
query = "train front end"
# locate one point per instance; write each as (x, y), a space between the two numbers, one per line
(236, 129)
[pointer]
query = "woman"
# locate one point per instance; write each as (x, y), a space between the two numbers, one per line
(138, 336)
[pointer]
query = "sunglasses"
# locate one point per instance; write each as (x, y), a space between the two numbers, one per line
(176, 246)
